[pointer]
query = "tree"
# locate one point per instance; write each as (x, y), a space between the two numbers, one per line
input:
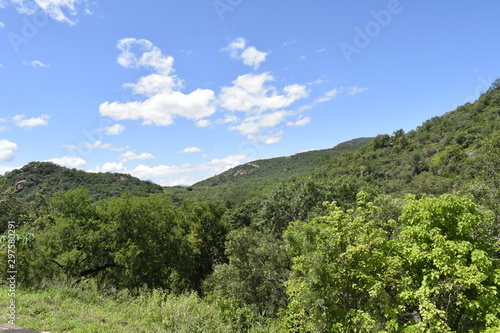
(341, 268)
(450, 278)
(436, 270)
(251, 284)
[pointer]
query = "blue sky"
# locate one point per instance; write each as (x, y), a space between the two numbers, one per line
(178, 91)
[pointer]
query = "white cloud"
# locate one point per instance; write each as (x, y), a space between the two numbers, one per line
(300, 122)
(58, 10)
(164, 101)
(355, 90)
(268, 139)
(21, 121)
(130, 155)
(329, 95)
(316, 82)
(101, 145)
(253, 125)
(186, 174)
(115, 129)
(36, 63)
(3, 128)
(154, 84)
(97, 145)
(69, 161)
(138, 53)
(2, 25)
(252, 57)
(161, 109)
(7, 150)
(203, 123)
(4, 168)
(110, 167)
(190, 150)
(250, 94)
(249, 54)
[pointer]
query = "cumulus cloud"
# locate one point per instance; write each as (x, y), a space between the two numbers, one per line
(110, 167)
(250, 93)
(138, 53)
(190, 150)
(154, 84)
(69, 161)
(7, 150)
(22, 121)
(253, 125)
(186, 174)
(161, 109)
(164, 101)
(250, 56)
(115, 129)
(36, 64)
(262, 104)
(130, 155)
(59, 10)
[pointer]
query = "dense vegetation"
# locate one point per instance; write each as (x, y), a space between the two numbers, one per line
(400, 235)
(47, 178)
(252, 180)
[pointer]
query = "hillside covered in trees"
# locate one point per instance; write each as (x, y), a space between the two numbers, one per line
(394, 234)
(47, 178)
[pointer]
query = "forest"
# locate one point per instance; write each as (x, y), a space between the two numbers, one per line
(396, 233)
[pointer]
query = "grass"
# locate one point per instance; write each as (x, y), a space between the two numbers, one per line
(70, 309)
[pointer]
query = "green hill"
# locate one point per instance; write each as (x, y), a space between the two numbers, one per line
(442, 155)
(445, 154)
(47, 178)
(275, 169)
